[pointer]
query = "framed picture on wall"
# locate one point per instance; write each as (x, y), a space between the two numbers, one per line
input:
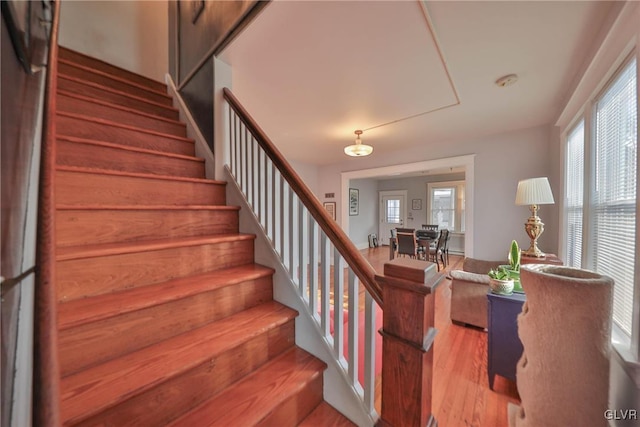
(354, 196)
(331, 208)
(416, 204)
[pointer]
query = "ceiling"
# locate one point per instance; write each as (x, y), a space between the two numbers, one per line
(408, 73)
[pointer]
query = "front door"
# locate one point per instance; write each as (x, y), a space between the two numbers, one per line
(392, 213)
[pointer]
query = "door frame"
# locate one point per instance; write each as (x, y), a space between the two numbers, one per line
(466, 161)
(386, 193)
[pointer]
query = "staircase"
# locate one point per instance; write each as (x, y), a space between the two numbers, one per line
(163, 316)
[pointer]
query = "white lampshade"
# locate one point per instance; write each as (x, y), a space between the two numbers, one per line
(534, 191)
(358, 149)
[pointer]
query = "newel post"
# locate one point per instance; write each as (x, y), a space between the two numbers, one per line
(408, 331)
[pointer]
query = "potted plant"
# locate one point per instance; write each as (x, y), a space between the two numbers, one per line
(500, 281)
(514, 265)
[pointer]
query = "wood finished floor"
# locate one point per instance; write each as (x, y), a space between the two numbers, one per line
(461, 394)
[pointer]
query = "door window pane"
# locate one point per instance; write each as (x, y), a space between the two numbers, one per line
(393, 211)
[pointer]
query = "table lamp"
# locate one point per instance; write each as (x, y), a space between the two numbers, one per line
(534, 192)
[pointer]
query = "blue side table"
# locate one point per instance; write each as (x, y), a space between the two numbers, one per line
(505, 347)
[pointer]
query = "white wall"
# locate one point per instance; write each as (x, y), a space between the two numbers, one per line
(130, 34)
(366, 222)
(500, 162)
(309, 174)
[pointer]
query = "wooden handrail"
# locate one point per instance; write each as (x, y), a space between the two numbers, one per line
(46, 381)
(340, 240)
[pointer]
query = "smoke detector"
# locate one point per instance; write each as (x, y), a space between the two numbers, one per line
(507, 80)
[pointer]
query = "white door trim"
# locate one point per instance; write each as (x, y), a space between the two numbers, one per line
(381, 195)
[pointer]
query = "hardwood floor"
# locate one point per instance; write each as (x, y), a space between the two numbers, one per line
(461, 394)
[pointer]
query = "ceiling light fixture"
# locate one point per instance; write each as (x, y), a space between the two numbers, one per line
(358, 149)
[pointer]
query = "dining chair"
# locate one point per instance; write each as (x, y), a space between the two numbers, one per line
(436, 252)
(394, 239)
(407, 244)
(431, 230)
(446, 247)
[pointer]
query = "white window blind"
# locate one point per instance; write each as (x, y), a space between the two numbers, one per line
(574, 183)
(446, 205)
(614, 196)
(443, 207)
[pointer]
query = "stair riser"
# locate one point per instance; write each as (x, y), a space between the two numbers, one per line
(292, 411)
(80, 189)
(73, 126)
(105, 80)
(81, 88)
(94, 276)
(100, 341)
(170, 399)
(86, 107)
(79, 227)
(103, 157)
(96, 64)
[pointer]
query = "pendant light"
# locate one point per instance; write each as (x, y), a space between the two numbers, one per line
(358, 149)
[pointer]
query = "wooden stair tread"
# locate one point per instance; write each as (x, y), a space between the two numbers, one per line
(116, 91)
(250, 400)
(79, 169)
(66, 253)
(79, 57)
(91, 391)
(123, 126)
(77, 312)
(326, 415)
(114, 77)
(120, 107)
(88, 141)
(149, 207)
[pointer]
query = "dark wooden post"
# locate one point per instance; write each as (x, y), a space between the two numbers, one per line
(408, 331)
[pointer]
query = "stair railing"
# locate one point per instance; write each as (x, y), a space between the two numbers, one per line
(46, 389)
(317, 254)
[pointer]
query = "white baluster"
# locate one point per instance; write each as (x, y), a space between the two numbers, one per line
(303, 236)
(275, 203)
(354, 351)
(313, 266)
(283, 224)
(251, 169)
(292, 236)
(338, 305)
(369, 351)
(325, 283)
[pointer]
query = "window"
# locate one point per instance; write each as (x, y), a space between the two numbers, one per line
(446, 205)
(611, 204)
(393, 211)
(614, 193)
(574, 180)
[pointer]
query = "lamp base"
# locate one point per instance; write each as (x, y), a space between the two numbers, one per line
(534, 228)
(534, 252)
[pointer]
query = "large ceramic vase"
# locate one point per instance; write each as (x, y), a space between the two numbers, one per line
(565, 328)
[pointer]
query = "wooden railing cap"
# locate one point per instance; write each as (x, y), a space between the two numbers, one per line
(418, 276)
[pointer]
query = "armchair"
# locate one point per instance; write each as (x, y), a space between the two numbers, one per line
(469, 288)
